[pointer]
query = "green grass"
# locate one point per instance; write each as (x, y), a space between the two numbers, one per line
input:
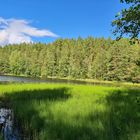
(74, 112)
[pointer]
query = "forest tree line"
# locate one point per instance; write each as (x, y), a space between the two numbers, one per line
(89, 58)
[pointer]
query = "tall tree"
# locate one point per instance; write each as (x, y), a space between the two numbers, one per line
(128, 20)
(92, 58)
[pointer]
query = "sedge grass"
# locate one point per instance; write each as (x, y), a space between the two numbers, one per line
(74, 112)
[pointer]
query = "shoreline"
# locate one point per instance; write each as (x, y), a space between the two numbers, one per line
(86, 81)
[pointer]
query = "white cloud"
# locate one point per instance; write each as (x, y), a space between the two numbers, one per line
(15, 31)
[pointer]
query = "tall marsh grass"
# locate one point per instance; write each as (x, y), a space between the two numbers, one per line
(74, 112)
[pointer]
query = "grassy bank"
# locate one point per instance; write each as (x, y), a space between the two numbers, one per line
(74, 112)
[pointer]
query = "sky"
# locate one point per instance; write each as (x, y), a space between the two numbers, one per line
(47, 20)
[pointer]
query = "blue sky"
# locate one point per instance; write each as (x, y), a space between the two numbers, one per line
(65, 18)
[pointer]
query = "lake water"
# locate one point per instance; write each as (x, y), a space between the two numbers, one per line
(7, 79)
(18, 79)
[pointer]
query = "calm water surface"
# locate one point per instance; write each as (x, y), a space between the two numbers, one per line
(6, 79)
(18, 79)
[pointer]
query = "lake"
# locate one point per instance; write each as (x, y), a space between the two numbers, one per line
(19, 79)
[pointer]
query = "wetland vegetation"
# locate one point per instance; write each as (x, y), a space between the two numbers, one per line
(60, 111)
(70, 89)
(74, 112)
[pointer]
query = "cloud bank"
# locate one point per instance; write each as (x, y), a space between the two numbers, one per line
(15, 31)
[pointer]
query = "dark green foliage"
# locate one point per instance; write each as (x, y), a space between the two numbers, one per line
(128, 21)
(90, 58)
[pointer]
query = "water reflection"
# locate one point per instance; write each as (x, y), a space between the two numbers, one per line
(5, 78)
(19, 79)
